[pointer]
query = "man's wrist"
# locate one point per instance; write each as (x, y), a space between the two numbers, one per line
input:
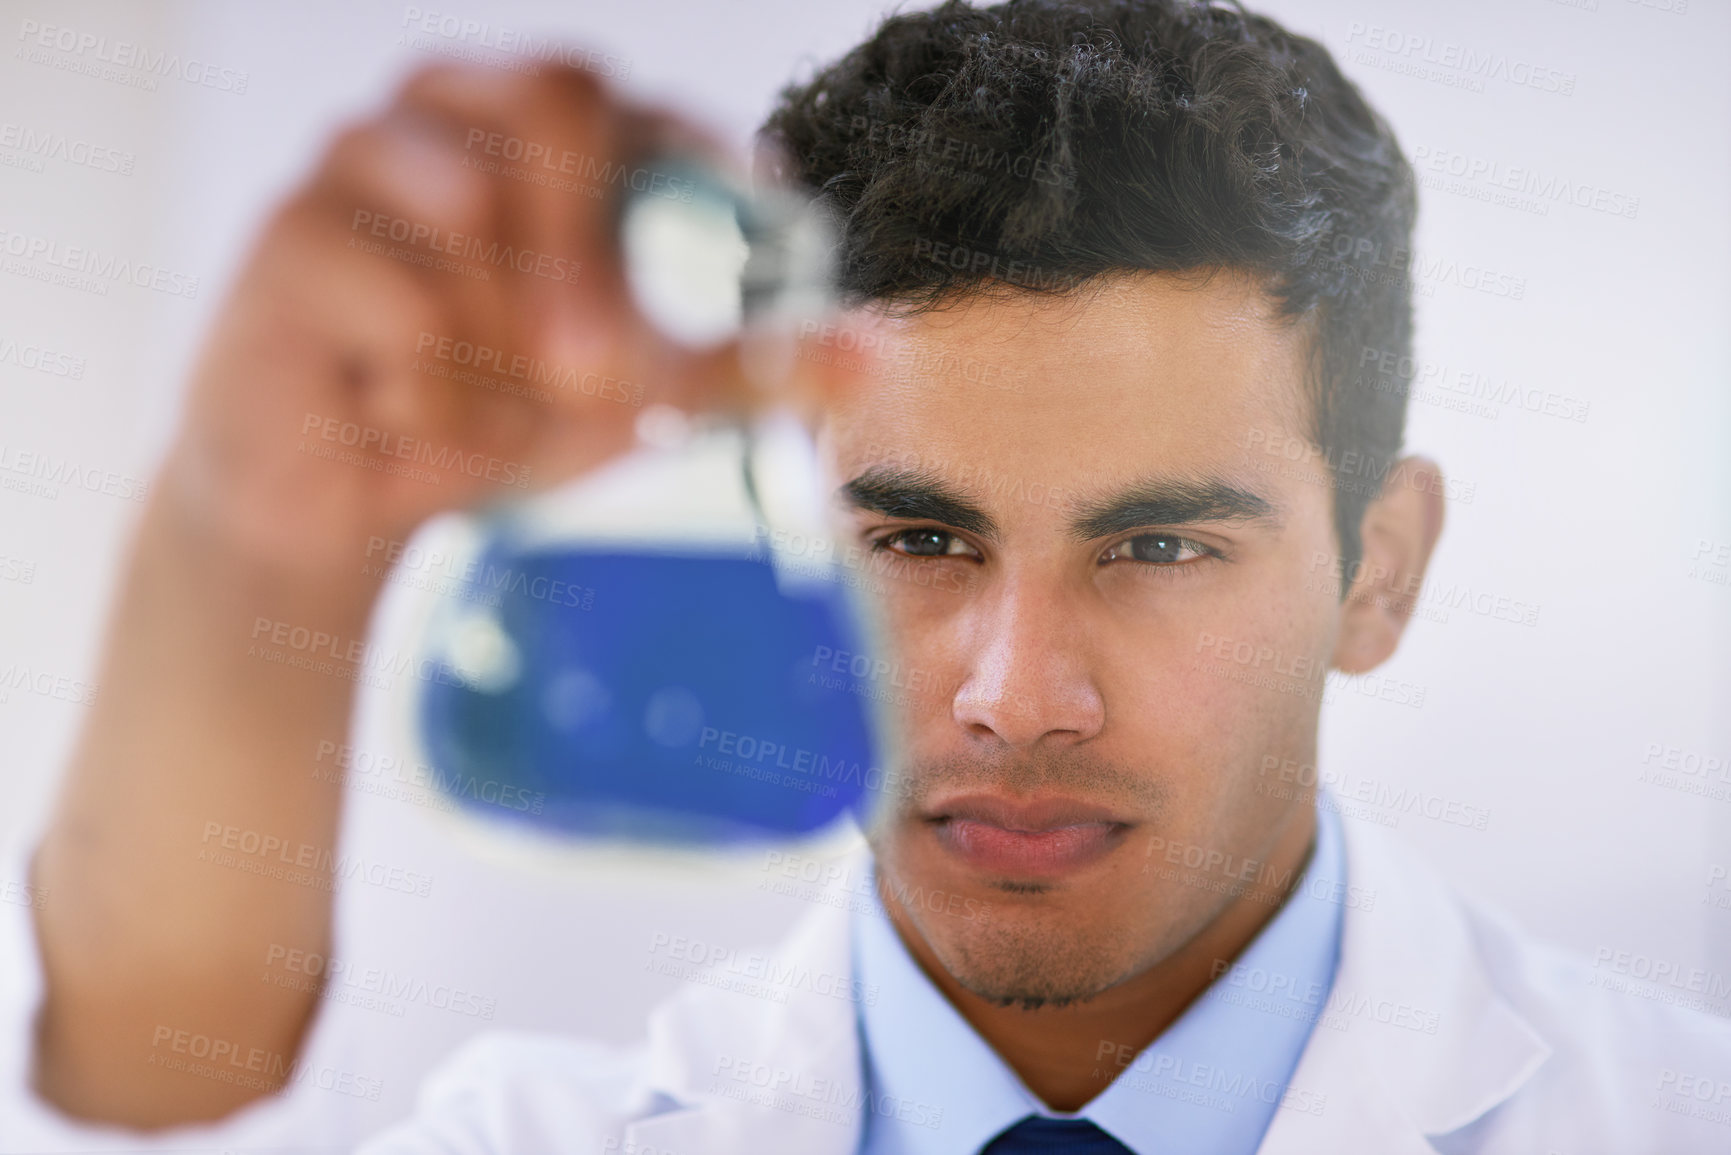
(205, 552)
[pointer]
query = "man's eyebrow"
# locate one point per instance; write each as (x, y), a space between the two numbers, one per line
(917, 496)
(1171, 502)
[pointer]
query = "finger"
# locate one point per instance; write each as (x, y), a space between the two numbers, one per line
(431, 173)
(567, 156)
(552, 144)
(403, 195)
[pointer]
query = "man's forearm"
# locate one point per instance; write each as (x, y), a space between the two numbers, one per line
(197, 753)
(198, 770)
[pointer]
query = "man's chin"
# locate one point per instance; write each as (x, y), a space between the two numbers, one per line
(1031, 973)
(1012, 951)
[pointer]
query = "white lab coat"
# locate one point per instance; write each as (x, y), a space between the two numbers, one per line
(1449, 1033)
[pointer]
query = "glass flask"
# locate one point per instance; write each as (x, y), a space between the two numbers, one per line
(654, 664)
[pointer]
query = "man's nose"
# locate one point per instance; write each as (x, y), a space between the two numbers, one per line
(1030, 679)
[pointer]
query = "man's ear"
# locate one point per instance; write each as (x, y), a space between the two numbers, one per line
(1399, 531)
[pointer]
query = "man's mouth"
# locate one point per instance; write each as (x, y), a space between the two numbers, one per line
(1037, 838)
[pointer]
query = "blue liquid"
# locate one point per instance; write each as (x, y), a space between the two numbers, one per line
(691, 702)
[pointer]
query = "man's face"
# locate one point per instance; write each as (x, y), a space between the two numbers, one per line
(1103, 615)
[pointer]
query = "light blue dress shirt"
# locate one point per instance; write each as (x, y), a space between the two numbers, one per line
(1211, 1082)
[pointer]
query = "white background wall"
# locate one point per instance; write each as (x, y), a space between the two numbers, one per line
(1594, 522)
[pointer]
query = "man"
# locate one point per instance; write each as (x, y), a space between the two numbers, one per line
(1128, 256)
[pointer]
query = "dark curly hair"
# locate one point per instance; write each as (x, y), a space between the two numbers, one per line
(1046, 142)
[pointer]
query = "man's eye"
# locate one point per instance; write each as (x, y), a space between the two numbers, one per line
(1156, 549)
(924, 543)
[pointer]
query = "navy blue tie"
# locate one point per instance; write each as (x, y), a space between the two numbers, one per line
(1040, 1136)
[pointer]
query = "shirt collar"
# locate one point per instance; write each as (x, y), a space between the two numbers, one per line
(1212, 1081)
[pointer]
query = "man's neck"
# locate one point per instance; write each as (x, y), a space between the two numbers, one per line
(1056, 1051)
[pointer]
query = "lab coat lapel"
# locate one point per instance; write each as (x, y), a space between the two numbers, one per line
(748, 1075)
(1415, 1041)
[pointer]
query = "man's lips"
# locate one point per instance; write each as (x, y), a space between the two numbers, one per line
(1023, 839)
